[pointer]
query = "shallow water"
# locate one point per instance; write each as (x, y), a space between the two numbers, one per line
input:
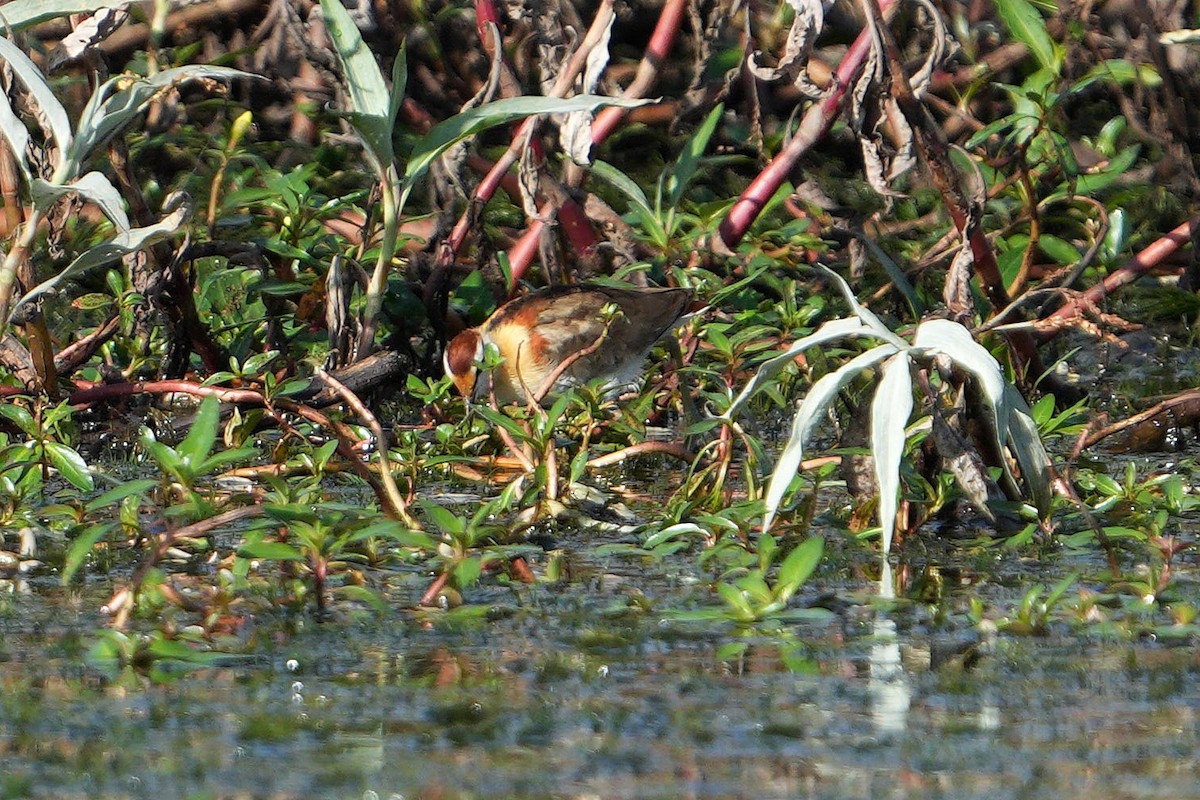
(585, 690)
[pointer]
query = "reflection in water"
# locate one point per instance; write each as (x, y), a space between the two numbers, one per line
(889, 688)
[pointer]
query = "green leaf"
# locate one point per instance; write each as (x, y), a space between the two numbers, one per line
(467, 572)
(363, 595)
(444, 519)
(270, 551)
(1030, 452)
(797, 567)
(626, 186)
(119, 493)
(890, 410)
(1120, 72)
(399, 84)
(1028, 26)
(1093, 182)
(736, 601)
(70, 465)
(198, 443)
(19, 416)
(689, 160)
(81, 547)
(1061, 251)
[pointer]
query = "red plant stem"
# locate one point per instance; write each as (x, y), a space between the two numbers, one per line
(492, 181)
(485, 13)
(521, 254)
(1133, 269)
(813, 126)
(661, 42)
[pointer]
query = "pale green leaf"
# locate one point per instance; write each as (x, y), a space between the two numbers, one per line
(94, 187)
(24, 13)
(878, 329)
(890, 410)
(43, 97)
(808, 415)
(369, 97)
(117, 101)
(844, 328)
(120, 245)
(16, 134)
(446, 134)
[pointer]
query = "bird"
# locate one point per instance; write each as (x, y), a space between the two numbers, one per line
(537, 332)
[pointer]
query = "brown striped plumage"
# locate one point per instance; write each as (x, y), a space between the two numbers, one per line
(538, 331)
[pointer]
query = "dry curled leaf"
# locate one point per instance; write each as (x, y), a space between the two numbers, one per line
(807, 25)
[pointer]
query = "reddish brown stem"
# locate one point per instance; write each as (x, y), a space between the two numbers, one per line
(1129, 272)
(813, 126)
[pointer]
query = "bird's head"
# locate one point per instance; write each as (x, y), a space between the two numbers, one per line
(461, 358)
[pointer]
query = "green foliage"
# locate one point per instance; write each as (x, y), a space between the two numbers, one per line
(184, 466)
(663, 221)
(312, 537)
(113, 106)
(753, 599)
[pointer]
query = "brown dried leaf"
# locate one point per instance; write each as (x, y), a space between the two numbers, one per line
(807, 25)
(957, 292)
(575, 130)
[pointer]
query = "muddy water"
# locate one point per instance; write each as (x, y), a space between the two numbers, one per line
(586, 690)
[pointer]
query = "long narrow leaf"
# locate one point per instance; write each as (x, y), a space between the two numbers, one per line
(956, 342)
(624, 184)
(890, 410)
(24, 13)
(689, 160)
(117, 101)
(1027, 25)
(449, 132)
(844, 328)
(399, 84)
(198, 443)
(810, 413)
(1029, 451)
(49, 108)
(120, 245)
(868, 317)
(369, 96)
(641, 204)
(94, 187)
(16, 134)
